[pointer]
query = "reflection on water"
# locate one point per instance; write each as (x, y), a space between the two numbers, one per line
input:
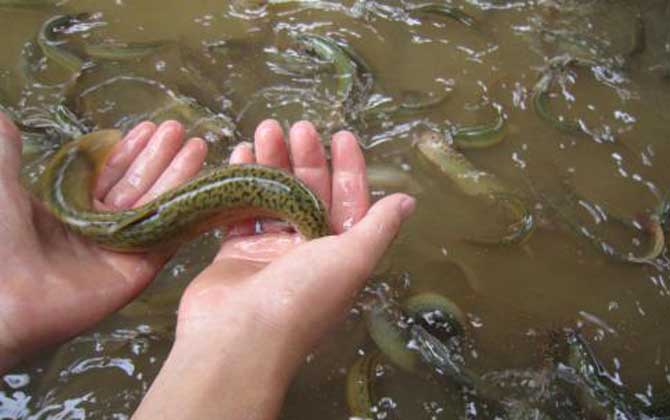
(564, 102)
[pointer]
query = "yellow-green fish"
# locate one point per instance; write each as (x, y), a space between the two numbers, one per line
(219, 197)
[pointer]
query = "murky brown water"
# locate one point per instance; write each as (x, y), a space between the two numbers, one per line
(514, 296)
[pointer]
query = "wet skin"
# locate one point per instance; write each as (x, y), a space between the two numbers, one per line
(258, 284)
(218, 197)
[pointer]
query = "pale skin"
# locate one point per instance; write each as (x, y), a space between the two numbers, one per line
(258, 293)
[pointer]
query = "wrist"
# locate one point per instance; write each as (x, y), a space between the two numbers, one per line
(9, 356)
(239, 371)
(13, 348)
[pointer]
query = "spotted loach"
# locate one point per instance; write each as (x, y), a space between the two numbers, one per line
(216, 198)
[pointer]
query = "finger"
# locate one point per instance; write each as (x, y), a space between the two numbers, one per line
(148, 166)
(271, 150)
(10, 149)
(16, 208)
(376, 230)
(270, 146)
(350, 198)
(242, 154)
(122, 156)
(309, 159)
(183, 167)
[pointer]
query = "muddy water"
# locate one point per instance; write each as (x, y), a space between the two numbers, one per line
(516, 297)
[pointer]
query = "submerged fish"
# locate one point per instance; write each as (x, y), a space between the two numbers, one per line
(476, 183)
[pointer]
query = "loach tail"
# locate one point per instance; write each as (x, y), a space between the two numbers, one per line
(97, 146)
(67, 182)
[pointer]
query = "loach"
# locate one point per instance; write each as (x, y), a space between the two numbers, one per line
(218, 197)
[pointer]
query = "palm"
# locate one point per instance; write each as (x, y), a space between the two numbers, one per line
(229, 287)
(344, 192)
(58, 284)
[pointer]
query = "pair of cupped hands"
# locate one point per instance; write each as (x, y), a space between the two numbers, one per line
(247, 321)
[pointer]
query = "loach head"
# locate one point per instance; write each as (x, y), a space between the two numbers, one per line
(429, 138)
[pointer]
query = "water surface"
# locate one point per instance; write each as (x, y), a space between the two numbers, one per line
(515, 297)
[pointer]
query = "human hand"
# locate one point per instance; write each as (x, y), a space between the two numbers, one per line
(55, 284)
(246, 323)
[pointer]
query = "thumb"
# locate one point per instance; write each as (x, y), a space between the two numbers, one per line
(16, 215)
(330, 271)
(375, 232)
(10, 149)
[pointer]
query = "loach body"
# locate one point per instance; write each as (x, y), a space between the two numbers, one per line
(475, 183)
(329, 50)
(218, 197)
(52, 48)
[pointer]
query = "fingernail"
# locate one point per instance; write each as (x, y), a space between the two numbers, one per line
(121, 201)
(169, 129)
(407, 206)
(164, 128)
(143, 132)
(342, 136)
(241, 152)
(266, 128)
(138, 131)
(247, 145)
(303, 128)
(341, 143)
